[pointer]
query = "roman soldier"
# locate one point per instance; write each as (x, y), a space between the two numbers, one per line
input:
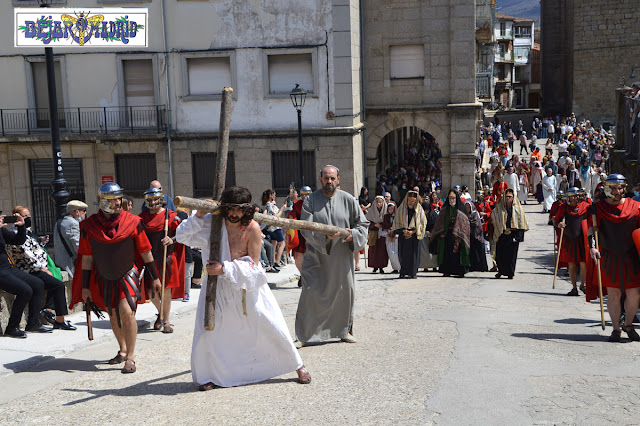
(295, 241)
(106, 273)
(153, 218)
(572, 217)
(616, 220)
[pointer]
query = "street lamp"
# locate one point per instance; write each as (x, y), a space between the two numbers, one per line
(60, 194)
(298, 96)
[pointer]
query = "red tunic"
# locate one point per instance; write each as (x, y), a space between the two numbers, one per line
(154, 227)
(620, 262)
(93, 228)
(295, 241)
(484, 207)
(574, 242)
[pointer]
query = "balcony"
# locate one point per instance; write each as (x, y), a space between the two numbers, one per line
(91, 120)
(483, 85)
(504, 35)
(504, 57)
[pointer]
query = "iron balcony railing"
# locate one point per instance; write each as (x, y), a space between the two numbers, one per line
(126, 119)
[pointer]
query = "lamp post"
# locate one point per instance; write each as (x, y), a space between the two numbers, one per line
(298, 96)
(60, 195)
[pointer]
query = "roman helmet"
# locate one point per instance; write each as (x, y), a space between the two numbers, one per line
(560, 196)
(613, 180)
(457, 189)
(153, 197)
(305, 190)
(109, 191)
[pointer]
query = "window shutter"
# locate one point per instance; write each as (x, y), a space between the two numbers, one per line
(207, 76)
(407, 61)
(287, 70)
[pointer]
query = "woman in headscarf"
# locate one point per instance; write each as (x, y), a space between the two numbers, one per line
(390, 237)
(523, 178)
(428, 260)
(409, 225)
(477, 256)
(378, 258)
(450, 236)
(509, 225)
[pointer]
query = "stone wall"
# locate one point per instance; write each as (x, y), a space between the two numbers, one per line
(605, 48)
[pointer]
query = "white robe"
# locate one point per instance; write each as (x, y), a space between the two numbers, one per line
(242, 348)
(549, 183)
(392, 250)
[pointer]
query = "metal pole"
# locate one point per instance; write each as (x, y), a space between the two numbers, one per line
(300, 152)
(60, 194)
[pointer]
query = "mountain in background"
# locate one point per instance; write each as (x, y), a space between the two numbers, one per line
(529, 9)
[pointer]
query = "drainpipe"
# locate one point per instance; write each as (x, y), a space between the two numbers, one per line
(169, 110)
(363, 113)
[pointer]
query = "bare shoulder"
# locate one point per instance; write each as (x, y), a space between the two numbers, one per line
(254, 229)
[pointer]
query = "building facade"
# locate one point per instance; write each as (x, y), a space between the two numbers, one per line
(144, 113)
(587, 49)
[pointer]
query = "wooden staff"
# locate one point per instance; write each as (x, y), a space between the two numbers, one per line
(555, 271)
(164, 262)
(213, 208)
(87, 308)
(216, 221)
(595, 232)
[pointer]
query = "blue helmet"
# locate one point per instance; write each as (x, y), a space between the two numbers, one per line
(109, 191)
(573, 191)
(616, 179)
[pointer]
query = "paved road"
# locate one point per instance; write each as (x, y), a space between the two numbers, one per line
(433, 350)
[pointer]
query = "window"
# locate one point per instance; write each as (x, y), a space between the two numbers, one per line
(205, 75)
(41, 175)
(285, 168)
(503, 28)
(406, 61)
(523, 31)
(485, 61)
(138, 82)
(285, 70)
(518, 97)
(521, 54)
(41, 93)
(203, 171)
(134, 172)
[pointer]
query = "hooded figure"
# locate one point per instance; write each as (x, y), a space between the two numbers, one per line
(509, 225)
(450, 237)
(378, 258)
(409, 225)
(477, 256)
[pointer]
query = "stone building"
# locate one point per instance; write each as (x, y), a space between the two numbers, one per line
(587, 46)
(143, 113)
(419, 62)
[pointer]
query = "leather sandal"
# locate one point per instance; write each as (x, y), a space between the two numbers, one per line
(615, 336)
(126, 370)
(167, 328)
(304, 377)
(117, 359)
(631, 333)
(158, 324)
(206, 386)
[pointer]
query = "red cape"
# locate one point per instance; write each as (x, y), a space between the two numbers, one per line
(604, 211)
(175, 281)
(564, 210)
(92, 228)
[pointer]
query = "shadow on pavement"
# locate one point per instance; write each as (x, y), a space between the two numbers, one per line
(556, 336)
(39, 364)
(576, 321)
(143, 388)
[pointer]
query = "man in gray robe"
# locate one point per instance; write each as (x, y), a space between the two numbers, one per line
(66, 236)
(325, 309)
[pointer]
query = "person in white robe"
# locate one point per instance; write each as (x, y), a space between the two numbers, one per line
(512, 179)
(549, 185)
(250, 342)
(391, 240)
(325, 309)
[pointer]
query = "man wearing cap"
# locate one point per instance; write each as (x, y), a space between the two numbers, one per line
(572, 217)
(66, 236)
(616, 220)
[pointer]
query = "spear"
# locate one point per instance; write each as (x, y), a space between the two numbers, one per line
(595, 231)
